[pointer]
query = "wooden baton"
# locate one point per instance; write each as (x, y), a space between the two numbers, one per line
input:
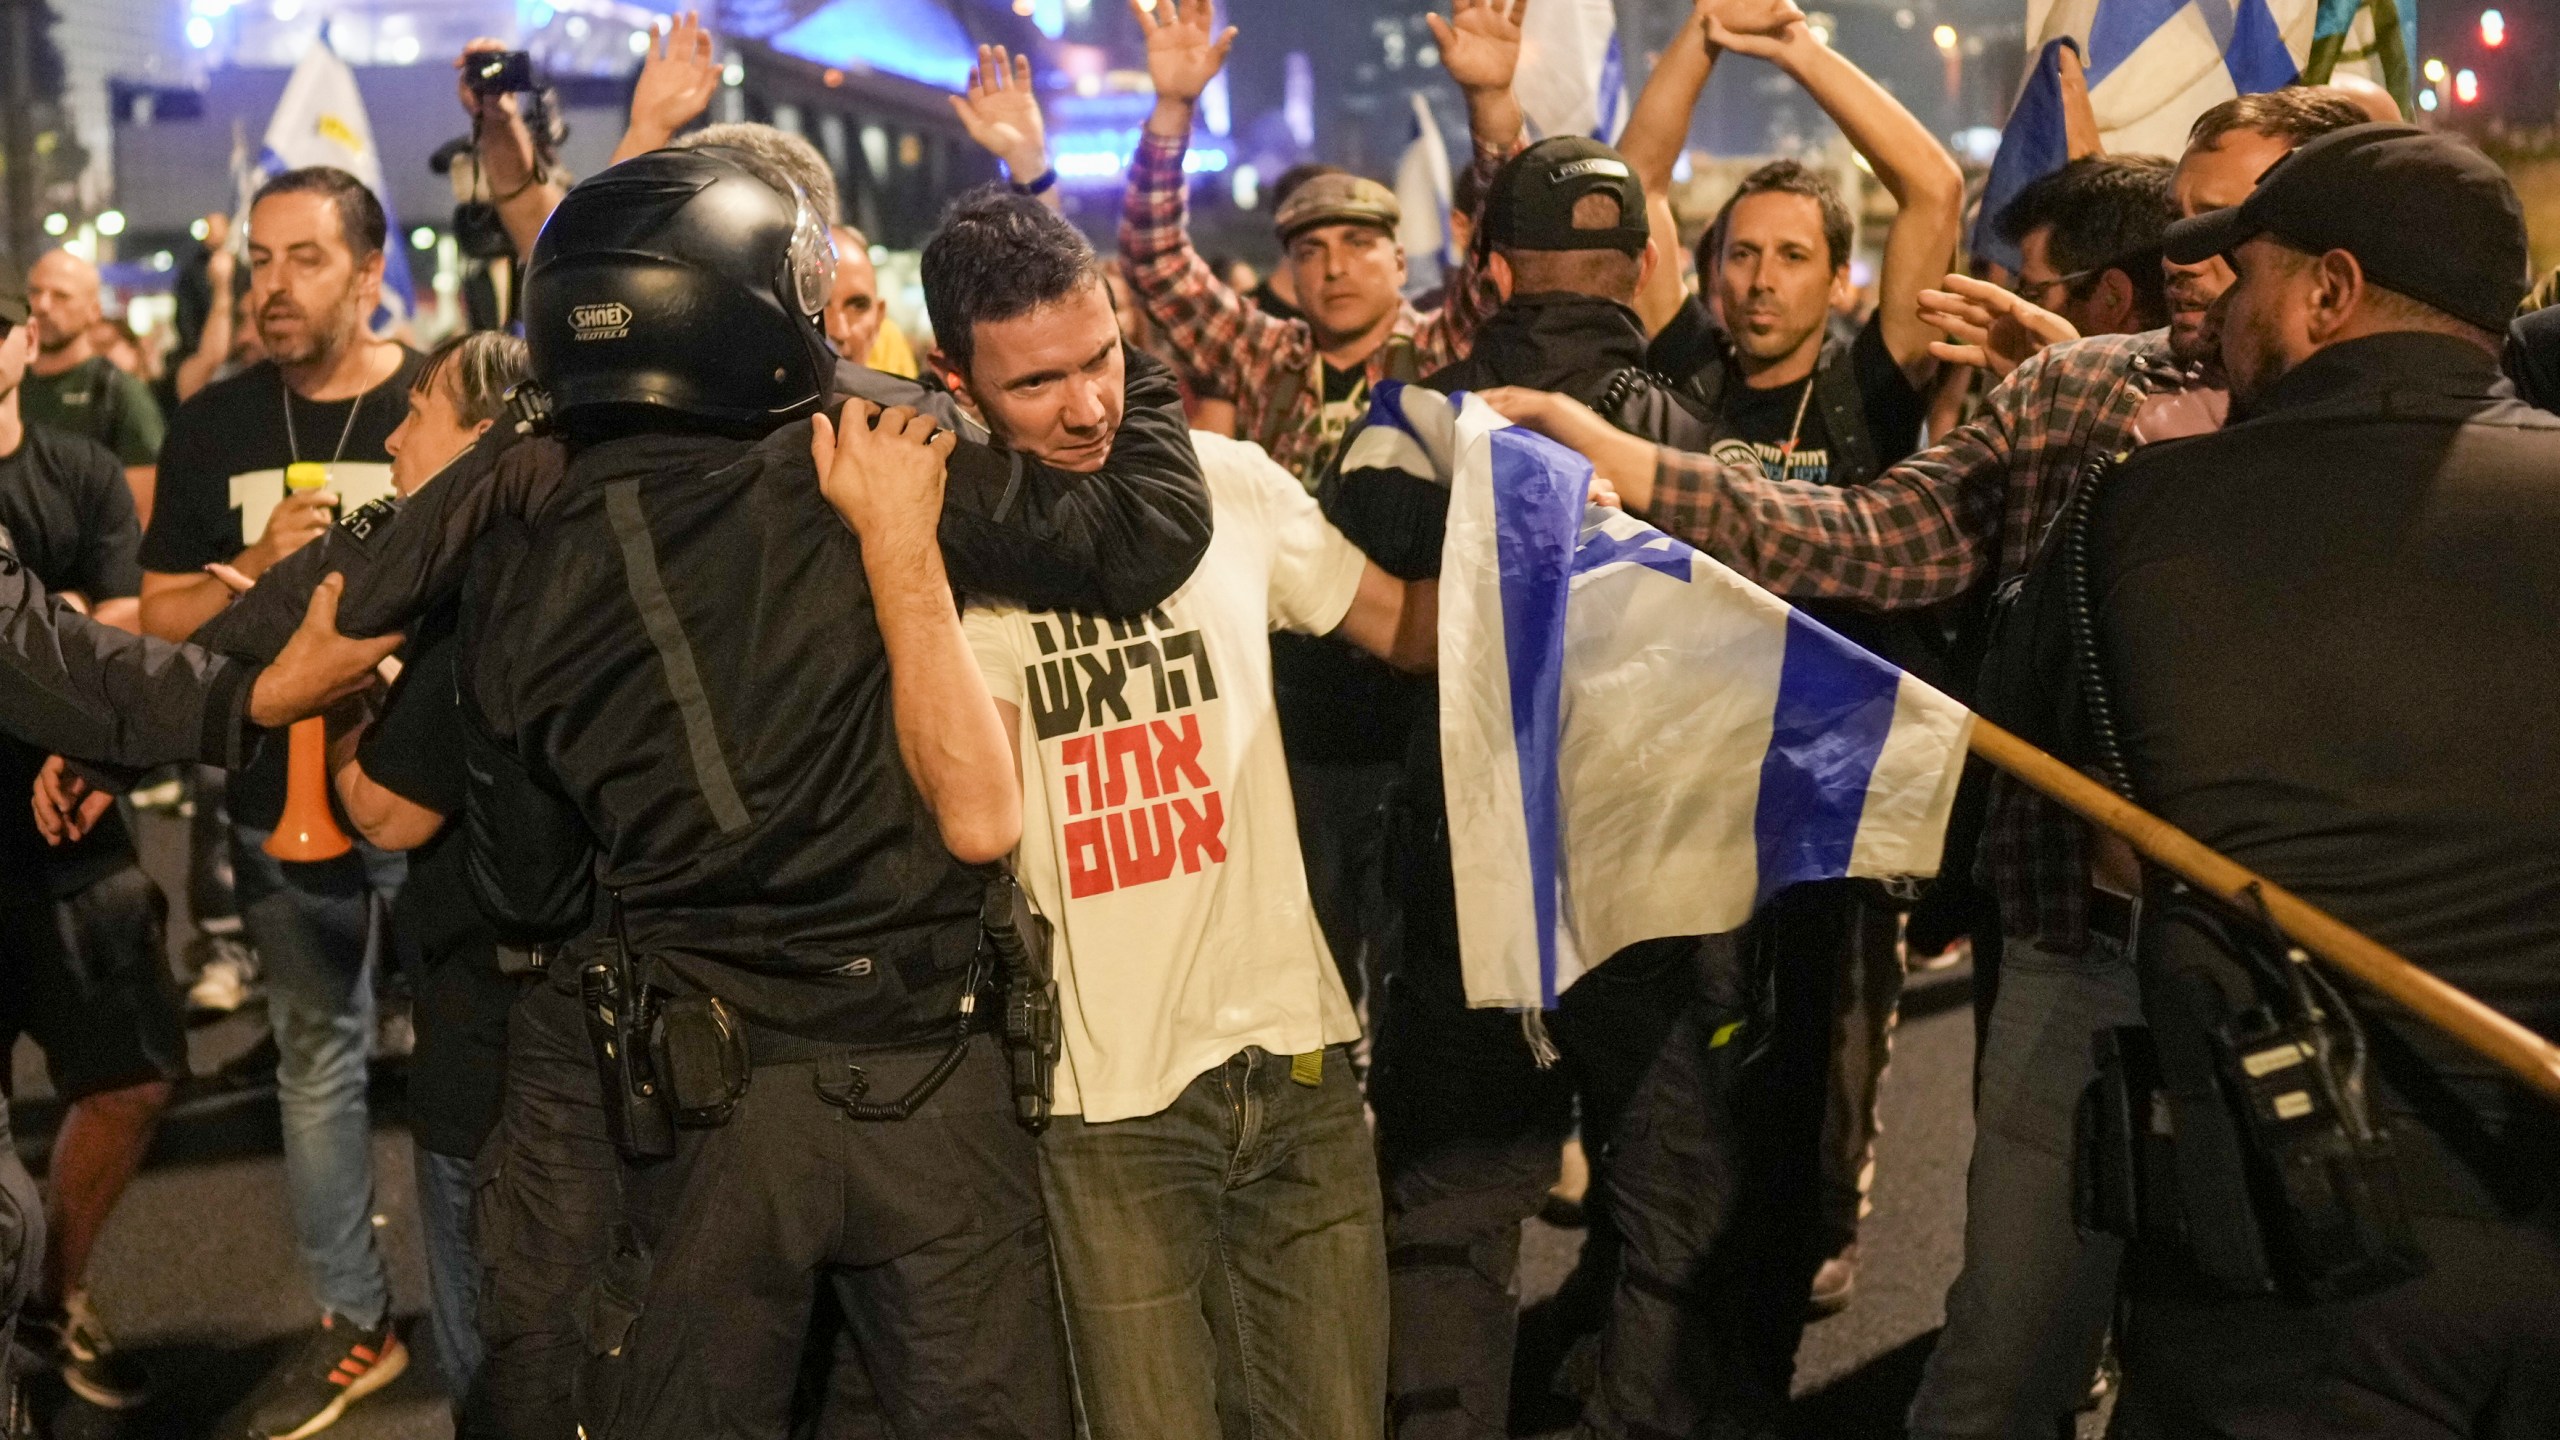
(2522, 1053)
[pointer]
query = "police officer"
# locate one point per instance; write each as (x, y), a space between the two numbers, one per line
(2320, 641)
(732, 743)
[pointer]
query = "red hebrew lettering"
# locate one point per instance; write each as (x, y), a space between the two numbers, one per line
(1179, 751)
(1088, 862)
(1087, 796)
(1141, 845)
(1200, 832)
(1131, 741)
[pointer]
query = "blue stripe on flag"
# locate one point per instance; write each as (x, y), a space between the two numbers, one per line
(1835, 707)
(1538, 489)
(1612, 90)
(2120, 27)
(2256, 57)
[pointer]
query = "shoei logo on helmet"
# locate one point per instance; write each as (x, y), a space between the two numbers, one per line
(609, 321)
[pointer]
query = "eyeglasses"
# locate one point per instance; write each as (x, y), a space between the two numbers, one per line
(2033, 292)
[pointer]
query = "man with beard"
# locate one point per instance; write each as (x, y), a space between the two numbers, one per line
(328, 394)
(2278, 637)
(2026, 1316)
(72, 387)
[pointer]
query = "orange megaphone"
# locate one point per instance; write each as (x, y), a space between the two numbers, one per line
(308, 831)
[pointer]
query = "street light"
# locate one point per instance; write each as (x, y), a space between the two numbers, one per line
(423, 238)
(1945, 36)
(2435, 71)
(111, 223)
(2493, 29)
(2466, 87)
(56, 223)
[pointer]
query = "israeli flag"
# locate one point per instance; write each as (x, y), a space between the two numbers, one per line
(1573, 75)
(2155, 65)
(1636, 741)
(1423, 191)
(320, 120)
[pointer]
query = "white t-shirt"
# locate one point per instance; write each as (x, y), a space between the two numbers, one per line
(1158, 833)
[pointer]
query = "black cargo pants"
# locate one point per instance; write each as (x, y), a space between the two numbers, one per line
(924, 1236)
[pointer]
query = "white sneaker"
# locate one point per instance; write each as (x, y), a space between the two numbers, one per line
(229, 975)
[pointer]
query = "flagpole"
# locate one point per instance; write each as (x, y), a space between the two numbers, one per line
(2521, 1052)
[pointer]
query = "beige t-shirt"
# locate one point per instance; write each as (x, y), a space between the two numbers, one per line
(1158, 833)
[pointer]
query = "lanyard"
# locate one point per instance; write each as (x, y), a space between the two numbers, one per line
(293, 444)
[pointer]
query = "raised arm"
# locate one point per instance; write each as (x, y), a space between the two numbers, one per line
(1917, 170)
(1196, 314)
(1480, 46)
(679, 74)
(1658, 126)
(884, 475)
(1001, 112)
(519, 185)
(1921, 532)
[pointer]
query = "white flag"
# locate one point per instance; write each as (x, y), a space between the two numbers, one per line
(1572, 78)
(320, 120)
(1422, 192)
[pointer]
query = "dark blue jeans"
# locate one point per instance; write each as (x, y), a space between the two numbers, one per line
(1224, 1260)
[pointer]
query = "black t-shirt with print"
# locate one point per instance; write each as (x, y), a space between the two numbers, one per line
(69, 519)
(222, 471)
(1764, 420)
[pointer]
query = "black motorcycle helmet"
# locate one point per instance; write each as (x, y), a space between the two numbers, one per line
(692, 280)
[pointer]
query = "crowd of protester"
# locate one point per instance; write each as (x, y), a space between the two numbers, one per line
(1283, 1186)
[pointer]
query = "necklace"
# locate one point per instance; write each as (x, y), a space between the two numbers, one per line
(1797, 429)
(293, 443)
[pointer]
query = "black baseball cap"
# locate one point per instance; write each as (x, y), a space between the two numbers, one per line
(2426, 215)
(13, 293)
(1530, 204)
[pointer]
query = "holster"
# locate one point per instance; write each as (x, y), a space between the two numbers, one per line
(1019, 939)
(699, 1046)
(639, 1114)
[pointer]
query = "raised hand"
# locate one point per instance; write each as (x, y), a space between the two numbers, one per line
(1182, 54)
(1988, 326)
(678, 76)
(1761, 28)
(1480, 41)
(882, 470)
(1002, 112)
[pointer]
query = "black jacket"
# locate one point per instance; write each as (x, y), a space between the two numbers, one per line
(1111, 544)
(93, 692)
(683, 698)
(1582, 346)
(2329, 634)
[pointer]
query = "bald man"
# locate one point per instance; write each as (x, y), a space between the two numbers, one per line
(2367, 96)
(72, 388)
(853, 307)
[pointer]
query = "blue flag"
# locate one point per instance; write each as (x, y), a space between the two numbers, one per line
(2035, 143)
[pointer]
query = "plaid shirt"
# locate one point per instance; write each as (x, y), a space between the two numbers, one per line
(1228, 346)
(1925, 530)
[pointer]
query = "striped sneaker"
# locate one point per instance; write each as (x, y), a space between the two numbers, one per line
(340, 1364)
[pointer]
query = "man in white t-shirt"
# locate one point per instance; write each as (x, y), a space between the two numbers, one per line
(1213, 1197)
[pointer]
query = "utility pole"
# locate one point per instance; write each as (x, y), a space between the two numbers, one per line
(18, 23)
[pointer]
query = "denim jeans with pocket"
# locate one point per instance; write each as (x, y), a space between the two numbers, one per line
(320, 930)
(1224, 1260)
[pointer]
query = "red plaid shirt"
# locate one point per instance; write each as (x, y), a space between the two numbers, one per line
(1228, 347)
(1927, 529)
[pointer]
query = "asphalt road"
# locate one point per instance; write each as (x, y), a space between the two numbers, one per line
(197, 1275)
